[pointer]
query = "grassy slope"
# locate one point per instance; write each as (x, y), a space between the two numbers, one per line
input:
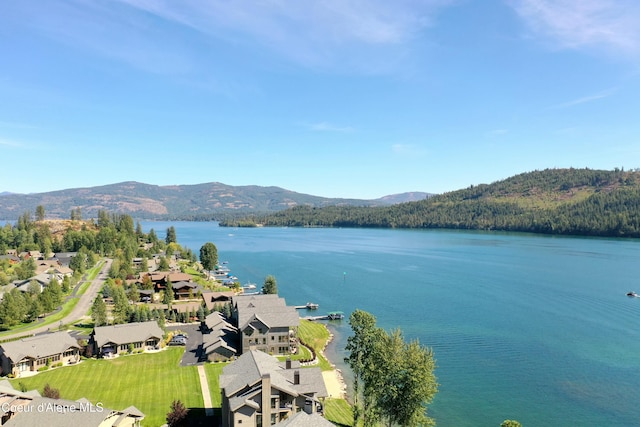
(315, 335)
(150, 382)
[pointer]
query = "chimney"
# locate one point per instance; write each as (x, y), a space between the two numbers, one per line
(296, 377)
(266, 399)
(288, 363)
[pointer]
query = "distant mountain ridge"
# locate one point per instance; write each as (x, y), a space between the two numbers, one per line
(583, 202)
(206, 201)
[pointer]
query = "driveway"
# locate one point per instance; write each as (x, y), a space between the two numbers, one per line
(193, 349)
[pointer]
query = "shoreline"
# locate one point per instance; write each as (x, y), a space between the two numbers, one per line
(333, 379)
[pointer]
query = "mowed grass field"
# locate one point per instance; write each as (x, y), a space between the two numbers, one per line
(150, 382)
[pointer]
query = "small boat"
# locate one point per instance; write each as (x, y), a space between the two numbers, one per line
(632, 294)
(312, 306)
(249, 286)
(335, 315)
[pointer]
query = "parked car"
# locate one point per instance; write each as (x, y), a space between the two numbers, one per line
(177, 340)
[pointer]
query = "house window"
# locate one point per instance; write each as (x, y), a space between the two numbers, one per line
(124, 346)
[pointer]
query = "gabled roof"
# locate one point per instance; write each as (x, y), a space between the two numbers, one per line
(216, 320)
(63, 413)
(127, 333)
(247, 371)
(270, 309)
(39, 346)
(302, 419)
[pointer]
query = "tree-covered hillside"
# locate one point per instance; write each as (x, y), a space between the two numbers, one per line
(555, 201)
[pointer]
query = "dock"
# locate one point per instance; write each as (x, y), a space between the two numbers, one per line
(308, 306)
(333, 315)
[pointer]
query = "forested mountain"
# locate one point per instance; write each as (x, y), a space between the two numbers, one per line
(555, 201)
(182, 202)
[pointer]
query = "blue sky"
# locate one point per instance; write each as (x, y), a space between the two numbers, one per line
(336, 98)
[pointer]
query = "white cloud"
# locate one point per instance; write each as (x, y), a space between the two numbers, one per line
(612, 25)
(309, 32)
(329, 127)
(586, 99)
(10, 143)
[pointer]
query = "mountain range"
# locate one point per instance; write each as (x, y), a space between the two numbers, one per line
(206, 201)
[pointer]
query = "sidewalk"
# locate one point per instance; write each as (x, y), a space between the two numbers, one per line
(206, 394)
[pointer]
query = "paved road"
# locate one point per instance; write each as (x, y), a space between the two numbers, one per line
(78, 312)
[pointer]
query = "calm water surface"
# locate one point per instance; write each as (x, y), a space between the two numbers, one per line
(527, 327)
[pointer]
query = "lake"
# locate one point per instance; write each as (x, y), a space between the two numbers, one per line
(526, 327)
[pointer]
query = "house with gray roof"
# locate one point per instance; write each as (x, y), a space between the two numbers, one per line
(20, 409)
(259, 390)
(114, 339)
(266, 323)
(219, 338)
(30, 354)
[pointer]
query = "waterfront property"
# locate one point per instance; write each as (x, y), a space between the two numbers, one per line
(266, 323)
(111, 340)
(33, 353)
(259, 390)
(31, 409)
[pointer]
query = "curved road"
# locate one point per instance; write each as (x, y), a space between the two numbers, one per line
(78, 312)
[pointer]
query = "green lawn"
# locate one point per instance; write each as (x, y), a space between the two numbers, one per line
(213, 371)
(150, 382)
(315, 335)
(338, 411)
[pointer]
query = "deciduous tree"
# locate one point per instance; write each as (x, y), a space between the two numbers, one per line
(178, 415)
(209, 256)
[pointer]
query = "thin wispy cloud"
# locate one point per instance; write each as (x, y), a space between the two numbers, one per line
(308, 32)
(329, 127)
(586, 99)
(10, 143)
(411, 150)
(613, 25)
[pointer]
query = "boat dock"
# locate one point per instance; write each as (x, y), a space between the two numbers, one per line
(307, 306)
(333, 315)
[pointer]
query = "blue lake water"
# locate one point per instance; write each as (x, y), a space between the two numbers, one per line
(527, 327)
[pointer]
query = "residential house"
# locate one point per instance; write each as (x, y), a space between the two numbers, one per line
(30, 354)
(184, 290)
(219, 338)
(42, 279)
(114, 339)
(266, 323)
(258, 390)
(19, 409)
(13, 259)
(211, 298)
(64, 258)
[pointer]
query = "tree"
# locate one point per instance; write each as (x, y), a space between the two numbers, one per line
(510, 423)
(171, 235)
(209, 256)
(99, 312)
(270, 285)
(177, 417)
(50, 392)
(168, 294)
(360, 346)
(393, 380)
(40, 213)
(164, 264)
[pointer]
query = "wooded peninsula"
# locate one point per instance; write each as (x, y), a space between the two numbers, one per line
(583, 202)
